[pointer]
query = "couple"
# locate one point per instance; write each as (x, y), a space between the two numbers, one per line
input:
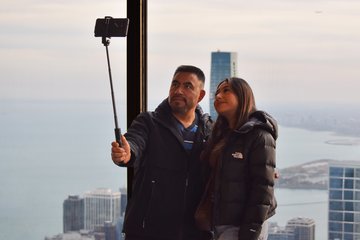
(183, 162)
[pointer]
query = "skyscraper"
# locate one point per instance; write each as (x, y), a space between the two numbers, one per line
(298, 228)
(344, 200)
(101, 205)
(73, 214)
(123, 202)
(223, 65)
(303, 228)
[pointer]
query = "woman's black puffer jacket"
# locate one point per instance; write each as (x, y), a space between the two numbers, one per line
(244, 185)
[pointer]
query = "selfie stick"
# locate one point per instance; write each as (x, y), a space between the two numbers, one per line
(106, 43)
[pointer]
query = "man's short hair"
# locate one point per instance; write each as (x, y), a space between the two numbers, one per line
(192, 69)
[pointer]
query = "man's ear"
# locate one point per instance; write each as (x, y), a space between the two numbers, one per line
(202, 94)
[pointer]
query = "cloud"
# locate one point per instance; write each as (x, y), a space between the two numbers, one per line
(285, 48)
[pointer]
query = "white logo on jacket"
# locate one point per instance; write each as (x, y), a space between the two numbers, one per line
(237, 155)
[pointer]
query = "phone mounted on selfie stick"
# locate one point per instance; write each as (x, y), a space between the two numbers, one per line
(106, 28)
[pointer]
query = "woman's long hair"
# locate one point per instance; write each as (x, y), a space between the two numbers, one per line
(221, 130)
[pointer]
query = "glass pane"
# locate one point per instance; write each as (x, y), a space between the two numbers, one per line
(189, 32)
(357, 206)
(335, 236)
(348, 236)
(335, 226)
(357, 228)
(349, 217)
(336, 205)
(348, 195)
(349, 183)
(349, 172)
(357, 217)
(336, 172)
(336, 216)
(335, 194)
(349, 206)
(336, 183)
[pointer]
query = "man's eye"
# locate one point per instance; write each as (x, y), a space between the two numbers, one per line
(188, 86)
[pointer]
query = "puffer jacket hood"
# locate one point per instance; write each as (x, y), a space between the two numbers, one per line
(263, 120)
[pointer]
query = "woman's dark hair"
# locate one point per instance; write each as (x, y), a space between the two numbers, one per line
(221, 130)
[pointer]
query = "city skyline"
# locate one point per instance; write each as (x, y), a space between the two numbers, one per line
(289, 51)
(298, 51)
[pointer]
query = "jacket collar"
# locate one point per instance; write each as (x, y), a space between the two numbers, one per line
(260, 119)
(163, 111)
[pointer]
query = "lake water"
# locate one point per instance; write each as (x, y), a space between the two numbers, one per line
(51, 150)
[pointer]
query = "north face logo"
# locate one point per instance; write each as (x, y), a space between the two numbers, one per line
(237, 155)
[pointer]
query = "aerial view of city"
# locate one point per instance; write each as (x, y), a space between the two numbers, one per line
(57, 118)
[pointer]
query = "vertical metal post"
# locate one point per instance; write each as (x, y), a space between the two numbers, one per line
(136, 66)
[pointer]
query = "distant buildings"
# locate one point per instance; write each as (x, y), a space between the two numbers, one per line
(108, 231)
(101, 205)
(223, 65)
(79, 235)
(344, 201)
(303, 228)
(295, 229)
(97, 216)
(123, 200)
(73, 214)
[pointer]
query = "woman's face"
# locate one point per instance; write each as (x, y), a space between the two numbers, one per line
(226, 102)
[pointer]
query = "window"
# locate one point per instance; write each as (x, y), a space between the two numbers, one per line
(349, 217)
(336, 183)
(335, 205)
(335, 226)
(336, 172)
(349, 206)
(349, 172)
(349, 183)
(348, 195)
(336, 216)
(334, 194)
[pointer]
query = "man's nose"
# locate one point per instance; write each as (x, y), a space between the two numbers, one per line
(179, 90)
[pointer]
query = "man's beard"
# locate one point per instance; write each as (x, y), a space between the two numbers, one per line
(179, 109)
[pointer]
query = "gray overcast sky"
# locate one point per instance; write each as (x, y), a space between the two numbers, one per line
(289, 51)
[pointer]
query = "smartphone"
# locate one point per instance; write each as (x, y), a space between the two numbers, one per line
(111, 27)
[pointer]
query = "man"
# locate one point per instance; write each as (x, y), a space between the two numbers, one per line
(164, 148)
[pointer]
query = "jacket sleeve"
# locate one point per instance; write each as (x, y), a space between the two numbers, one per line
(262, 163)
(137, 135)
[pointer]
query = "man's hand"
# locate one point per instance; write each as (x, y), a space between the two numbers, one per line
(120, 155)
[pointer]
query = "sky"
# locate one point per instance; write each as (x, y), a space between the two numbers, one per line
(290, 51)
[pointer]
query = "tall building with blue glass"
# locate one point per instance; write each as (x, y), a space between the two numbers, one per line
(223, 65)
(344, 201)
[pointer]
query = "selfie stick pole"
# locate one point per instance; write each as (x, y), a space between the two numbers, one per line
(106, 43)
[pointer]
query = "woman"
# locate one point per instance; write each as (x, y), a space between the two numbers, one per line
(241, 154)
